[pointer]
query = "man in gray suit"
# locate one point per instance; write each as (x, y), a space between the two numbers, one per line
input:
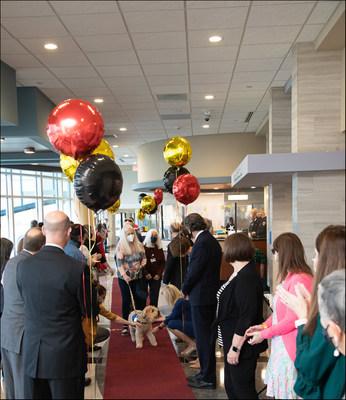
(12, 320)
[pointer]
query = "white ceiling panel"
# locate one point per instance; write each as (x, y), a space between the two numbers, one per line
(170, 89)
(34, 27)
(75, 59)
(111, 42)
(209, 87)
(12, 46)
(34, 73)
(270, 34)
(74, 72)
(218, 96)
(230, 37)
(21, 61)
(84, 7)
(25, 9)
(134, 99)
(309, 33)
(95, 92)
(94, 24)
(42, 83)
(211, 66)
(162, 56)
(112, 58)
(265, 64)
(200, 54)
(322, 12)
(259, 76)
(161, 40)
(278, 14)
(165, 69)
(155, 21)
(5, 34)
(139, 106)
(36, 45)
(210, 78)
(130, 90)
(168, 80)
(58, 93)
(219, 18)
(77, 83)
(207, 104)
(119, 70)
(217, 3)
(150, 5)
(114, 82)
(248, 52)
(178, 106)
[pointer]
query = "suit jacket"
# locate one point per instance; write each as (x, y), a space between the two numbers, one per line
(203, 275)
(51, 284)
(13, 317)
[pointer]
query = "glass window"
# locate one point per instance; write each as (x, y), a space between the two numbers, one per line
(17, 185)
(29, 186)
(4, 218)
(49, 205)
(23, 215)
(66, 189)
(49, 187)
(4, 191)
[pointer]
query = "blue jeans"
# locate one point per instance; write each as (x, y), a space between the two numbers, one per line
(126, 297)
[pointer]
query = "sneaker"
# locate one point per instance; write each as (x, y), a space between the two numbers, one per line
(124, 332)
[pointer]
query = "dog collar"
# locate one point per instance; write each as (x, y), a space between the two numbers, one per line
(135, 319)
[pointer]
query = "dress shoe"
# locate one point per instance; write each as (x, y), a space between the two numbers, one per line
(194, 378)
(188, 351)
(199, 384)
(87, 381)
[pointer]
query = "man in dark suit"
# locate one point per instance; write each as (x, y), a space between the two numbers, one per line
(200, 287)
(51, 284)
(12, 320)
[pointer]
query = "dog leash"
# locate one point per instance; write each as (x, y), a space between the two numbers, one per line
(135, 317)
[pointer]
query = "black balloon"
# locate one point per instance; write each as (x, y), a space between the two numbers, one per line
(140, 197)
(98, 182)
(153, 211)
(171, 175)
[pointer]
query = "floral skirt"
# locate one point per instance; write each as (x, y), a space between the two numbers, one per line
(281, 373)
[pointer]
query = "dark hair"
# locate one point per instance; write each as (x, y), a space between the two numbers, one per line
(40, 224)
(76, 231)
(175, 227)
(6, 249)
(330, 244)
(179, 246)
(101, 290)
(238, 247)
(195, 222)
(291, 255)
(34, 239)
(33, 223)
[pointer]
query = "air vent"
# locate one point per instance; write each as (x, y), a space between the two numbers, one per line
(247, 119)
(167, 117)
(171, 97)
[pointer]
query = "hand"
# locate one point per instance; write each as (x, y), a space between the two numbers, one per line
(135, 324)
(298, 304)
(148, 277)
(233, 357)
(155, 330)
(127, 278)
(96, 257)
(156, 277)
(255, 328)
(186, 297)
(256, 338)
(111, 270)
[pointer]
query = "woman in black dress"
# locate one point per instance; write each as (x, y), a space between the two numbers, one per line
(240, 305)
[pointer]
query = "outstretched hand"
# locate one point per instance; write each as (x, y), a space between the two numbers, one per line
(300, 303)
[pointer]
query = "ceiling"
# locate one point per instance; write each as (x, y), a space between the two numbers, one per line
(129, 52)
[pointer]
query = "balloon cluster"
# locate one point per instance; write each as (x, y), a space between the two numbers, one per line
(75, 128)
(177, 179)
(149, 204)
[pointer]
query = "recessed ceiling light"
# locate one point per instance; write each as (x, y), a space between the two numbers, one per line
(205, 126)
(135, 162)
(215, 39)
(216, 188)
(209, 97)
(126, 155)
(122, 129)
(34, 163)
(115, 145)
(2, 139)
(29, 150)
(50, 46)
(98, 100)
(253, 187)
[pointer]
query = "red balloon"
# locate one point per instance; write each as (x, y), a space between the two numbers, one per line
(186, 188)
(75, 128)
(158, 196)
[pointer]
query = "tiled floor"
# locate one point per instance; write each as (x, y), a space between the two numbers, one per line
(97, 368)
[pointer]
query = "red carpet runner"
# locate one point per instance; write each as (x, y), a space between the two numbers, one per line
(147, 373)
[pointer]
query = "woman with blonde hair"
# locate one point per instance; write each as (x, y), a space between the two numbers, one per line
(153, 270)
(130, 259)
(179, 322)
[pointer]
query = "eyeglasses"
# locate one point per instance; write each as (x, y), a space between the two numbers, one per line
(273, 251)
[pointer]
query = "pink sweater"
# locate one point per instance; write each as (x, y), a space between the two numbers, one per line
(285, 316)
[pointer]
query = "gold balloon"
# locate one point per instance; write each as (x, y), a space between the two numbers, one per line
(148, 203)
(104, 148)
(177, 152)
(68, 165)
(140, 214)
(115, 207)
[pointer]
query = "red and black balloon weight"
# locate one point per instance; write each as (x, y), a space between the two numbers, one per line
(186, 189)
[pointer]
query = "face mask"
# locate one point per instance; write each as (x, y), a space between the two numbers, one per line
(130, 238)
(153, 239)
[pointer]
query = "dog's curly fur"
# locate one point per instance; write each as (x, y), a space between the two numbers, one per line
(145, 318)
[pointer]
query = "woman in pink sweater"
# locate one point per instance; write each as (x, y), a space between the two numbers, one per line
(289, 254)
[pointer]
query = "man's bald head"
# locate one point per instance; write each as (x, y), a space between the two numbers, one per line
(34, 240)
(56, 221)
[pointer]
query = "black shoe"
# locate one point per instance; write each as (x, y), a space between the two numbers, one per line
(202, 385)
(96, 348)
(194, 378)
(87, 381)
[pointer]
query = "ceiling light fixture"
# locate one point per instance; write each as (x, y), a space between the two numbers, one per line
(2, 139)
(209, 97)
(253, 187)
(29, 150)
(122, 129)
(98, 100)
(50, 46)
(115, 145)
(126, 155)
(238, 197)
(205, 126)
(216, 188)
(215, 39)
(34, 163)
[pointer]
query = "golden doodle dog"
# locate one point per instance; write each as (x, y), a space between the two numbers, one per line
(145, 318)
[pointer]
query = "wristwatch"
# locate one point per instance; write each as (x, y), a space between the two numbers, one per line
(235, 349)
